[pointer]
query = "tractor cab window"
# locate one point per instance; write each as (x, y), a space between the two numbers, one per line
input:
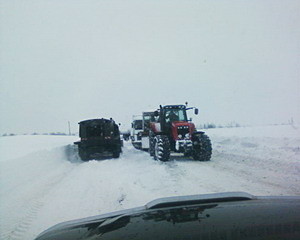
(182, 115)
(173, 115)
(148, 117)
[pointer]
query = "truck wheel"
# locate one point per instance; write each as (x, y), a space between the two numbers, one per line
(202, 149)
(116, 154)
(83, 154)
(151, 146)
(161, 148)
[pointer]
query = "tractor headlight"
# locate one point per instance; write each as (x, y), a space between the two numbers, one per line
(187, 136)
(180, 136)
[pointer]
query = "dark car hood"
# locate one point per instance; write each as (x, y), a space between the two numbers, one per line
(211, 216)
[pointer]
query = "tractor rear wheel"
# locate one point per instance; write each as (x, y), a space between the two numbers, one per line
(161, 148)
(151, 146)
(202, 149)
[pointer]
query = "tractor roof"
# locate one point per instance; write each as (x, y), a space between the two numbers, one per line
(174, 107)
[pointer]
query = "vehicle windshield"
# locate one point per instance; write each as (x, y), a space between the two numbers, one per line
(147, 117)
(97, 130)
(138, 124)
(94, 131)
(173, 115)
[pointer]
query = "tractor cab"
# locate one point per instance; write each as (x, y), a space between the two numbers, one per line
(174, 122)
(171, 131)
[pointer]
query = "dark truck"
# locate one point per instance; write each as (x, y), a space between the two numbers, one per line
(99, 138)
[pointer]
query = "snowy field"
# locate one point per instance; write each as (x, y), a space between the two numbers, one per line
(42, 184)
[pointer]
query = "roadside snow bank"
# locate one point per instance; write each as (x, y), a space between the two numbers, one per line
(280, 143)
(272, 131)
(21, 145)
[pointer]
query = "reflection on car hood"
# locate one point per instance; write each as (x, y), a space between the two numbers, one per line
(235, 215)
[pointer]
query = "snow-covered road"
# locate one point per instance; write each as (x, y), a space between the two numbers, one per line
(41, 184)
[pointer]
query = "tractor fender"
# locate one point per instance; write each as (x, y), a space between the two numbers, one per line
(155, 127)
(198, 133)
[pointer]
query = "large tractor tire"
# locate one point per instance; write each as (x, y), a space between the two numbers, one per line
(161, 148)
(151, 145)
(202, 149)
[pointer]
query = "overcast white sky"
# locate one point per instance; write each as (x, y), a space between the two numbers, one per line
(68, 60)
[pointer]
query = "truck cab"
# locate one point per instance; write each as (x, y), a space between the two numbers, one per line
(140, 130)
(136, 129)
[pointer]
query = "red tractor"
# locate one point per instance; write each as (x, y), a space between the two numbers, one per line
(170, 130)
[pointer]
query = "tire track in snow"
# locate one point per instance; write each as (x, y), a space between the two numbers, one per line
(186, 174)
(25, 223)
(149, 177)
(34, 204)
(175, 175)
(227, 172)
(256, 172)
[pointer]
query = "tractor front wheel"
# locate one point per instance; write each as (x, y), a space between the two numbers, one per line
(161, 148)
(202, 149)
